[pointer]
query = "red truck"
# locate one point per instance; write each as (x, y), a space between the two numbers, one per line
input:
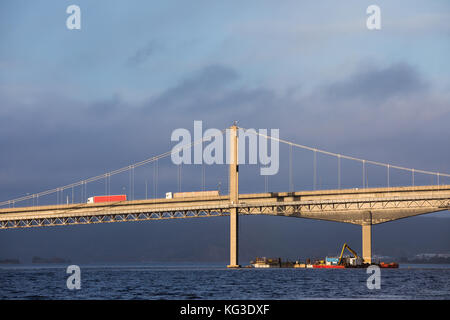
(115, 198)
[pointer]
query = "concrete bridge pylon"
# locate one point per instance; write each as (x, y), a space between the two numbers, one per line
(234, 198)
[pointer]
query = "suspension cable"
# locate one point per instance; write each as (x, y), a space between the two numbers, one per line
(111, 173)
(350, 157)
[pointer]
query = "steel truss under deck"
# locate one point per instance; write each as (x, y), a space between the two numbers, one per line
(288, 208)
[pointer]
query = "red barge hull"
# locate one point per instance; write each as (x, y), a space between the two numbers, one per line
(320, 266)
(383, 265)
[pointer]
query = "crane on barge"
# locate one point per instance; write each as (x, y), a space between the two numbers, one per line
(346, 246)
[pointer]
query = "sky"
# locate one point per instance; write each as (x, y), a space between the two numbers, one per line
(78, 103)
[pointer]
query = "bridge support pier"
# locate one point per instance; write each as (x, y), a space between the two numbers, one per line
(234, 238)
(367, 243)
(234, 199)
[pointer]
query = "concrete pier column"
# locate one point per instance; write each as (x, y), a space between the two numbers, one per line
(367, 243)
(234, 198)
(234, 245)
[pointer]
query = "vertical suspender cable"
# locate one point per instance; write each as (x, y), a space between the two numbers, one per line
(291, 183)
(364, 173)
(179, 177)
(315, 170)
(388, 176)
(131, 192)
(203, 176)
(339, 171)
(154, 179)
(203, 171)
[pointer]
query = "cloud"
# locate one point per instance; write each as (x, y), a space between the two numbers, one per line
(143, 54)
(378, 84)
(202, 90)
(383, 113)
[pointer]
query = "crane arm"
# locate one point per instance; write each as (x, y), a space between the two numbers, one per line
(342, 253)
(349, 249)
(352, 251)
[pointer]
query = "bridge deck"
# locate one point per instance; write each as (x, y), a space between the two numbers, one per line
(357, 206)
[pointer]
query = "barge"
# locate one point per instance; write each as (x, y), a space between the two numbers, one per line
(341, 262)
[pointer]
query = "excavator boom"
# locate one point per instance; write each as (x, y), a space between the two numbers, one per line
(349, 249)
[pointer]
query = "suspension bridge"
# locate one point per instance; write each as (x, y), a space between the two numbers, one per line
(361, 206)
